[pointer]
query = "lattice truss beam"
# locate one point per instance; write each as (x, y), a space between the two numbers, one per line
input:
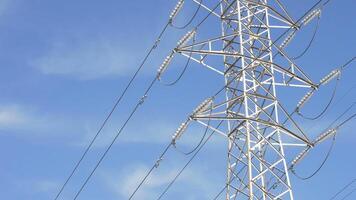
(253, 34)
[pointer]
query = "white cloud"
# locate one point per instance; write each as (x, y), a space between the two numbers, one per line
(12, 115)
(152, 132)
(85, 59)
(128, 179)
(16, 117)
(25, 120)
(46, 186)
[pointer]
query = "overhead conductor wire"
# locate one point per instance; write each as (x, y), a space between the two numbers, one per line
(343, 189)
(349, 194)
(332, 144)
(191, 19)
(141, 101)
(310, 42)
(186, 165)
(196, 149)
(128, 119)
(343, 67)
(184, 68)
(112, 110)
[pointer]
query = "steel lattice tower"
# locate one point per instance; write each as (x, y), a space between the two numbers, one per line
(253, 34)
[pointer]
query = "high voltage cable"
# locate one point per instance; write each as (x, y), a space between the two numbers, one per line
(191, 19)
(133, 111)
(343, 189)
(112, 110)
(186, 165)
(161, 158)
(151, 170)
(325, 108)
(310, 42)
(343, 67)
(348, 194)
(184, 68)
(331, 146)
(336, 103)
(116, 136)
(200, 144)
(140, 102)
(321, 165)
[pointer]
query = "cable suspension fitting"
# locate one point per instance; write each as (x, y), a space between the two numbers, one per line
(183, 41)
(307, 19)
(306, 98)
(299, 157)
(165, 64)
(176, 10)
(180, 131)
(204, 106)
(288, 39)
(332, 75)
(329, 133)
(186, 38)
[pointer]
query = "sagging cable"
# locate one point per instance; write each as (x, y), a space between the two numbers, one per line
(165, 65)
(176, 10)
(186, 38)
(332, 75)
(307, 19)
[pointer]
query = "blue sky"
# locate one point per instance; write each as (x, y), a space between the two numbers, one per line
(64, 62)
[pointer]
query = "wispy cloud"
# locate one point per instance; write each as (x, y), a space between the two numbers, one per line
(26, 120)
(17, 117)
(85, 58)
(154, 132)
(127, 180)
(12, 115)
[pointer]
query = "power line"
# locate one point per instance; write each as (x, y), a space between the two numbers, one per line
(184, 69)
(310, 42)
(161, 158)
(116, 136)
(312, 38)
(331, 146)
(112, 110)
(321, 165)
(130, 116)
(191, 19)
(343, 189)
(186, 165)
(151, 170)
(348, 63)
(349, 194)
(325, 108)
(341, 68)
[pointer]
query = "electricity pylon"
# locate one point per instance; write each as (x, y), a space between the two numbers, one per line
(250, 55)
